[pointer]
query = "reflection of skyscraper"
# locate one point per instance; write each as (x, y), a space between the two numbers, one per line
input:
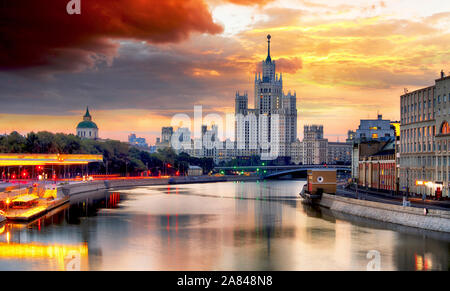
(269, 101)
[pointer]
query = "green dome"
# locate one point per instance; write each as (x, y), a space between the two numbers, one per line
(87, 124)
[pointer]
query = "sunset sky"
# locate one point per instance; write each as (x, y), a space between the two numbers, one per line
(136, 63)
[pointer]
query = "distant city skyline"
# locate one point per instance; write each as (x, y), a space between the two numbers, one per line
(345, 61)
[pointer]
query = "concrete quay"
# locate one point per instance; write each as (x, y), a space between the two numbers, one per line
(431, 219)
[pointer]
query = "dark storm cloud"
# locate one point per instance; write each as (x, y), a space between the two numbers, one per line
(143, 77)
(41, 33)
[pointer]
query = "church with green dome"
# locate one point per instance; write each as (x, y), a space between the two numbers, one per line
(87, 129)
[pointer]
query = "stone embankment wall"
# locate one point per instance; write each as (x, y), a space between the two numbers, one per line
(73, 189)
(436, 220)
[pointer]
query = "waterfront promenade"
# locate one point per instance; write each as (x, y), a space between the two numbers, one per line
(369, 195)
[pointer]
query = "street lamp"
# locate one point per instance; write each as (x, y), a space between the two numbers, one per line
(424, 190)
(407, 183)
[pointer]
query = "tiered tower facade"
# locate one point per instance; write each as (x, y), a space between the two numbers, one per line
(275, 113)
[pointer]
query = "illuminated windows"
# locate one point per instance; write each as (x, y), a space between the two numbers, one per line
(445, 129)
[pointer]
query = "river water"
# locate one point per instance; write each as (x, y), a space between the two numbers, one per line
(213, 226)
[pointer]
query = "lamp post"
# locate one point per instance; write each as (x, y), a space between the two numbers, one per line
(407, 183)
(18, 177)
(405, 198)
(424, 189)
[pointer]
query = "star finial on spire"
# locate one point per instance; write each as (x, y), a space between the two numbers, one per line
(269, 59)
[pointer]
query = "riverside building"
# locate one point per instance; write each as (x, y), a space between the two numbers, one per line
(379, 129)
(378, 165)
(316, 150)
(425, 137)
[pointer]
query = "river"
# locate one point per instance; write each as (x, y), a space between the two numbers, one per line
(213, 226)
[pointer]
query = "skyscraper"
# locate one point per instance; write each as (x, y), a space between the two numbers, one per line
(166, 134)
(274, 115)
(315, 147)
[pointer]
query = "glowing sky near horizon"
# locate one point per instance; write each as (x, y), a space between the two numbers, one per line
(346, 61)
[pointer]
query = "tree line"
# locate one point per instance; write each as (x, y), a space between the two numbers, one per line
(118, 157)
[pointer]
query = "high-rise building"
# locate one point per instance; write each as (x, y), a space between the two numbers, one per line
(210, 141)
(181, 140)
(315, 147)
(425, 139)
(271, 126)
(166, 138)
(375, 129)
(351, 134)
(316, 150)
(370, 130)
(137, 141)
(339, 153)
(297, 152)
(166, 134)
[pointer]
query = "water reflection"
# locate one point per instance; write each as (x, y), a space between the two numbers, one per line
(222, 226)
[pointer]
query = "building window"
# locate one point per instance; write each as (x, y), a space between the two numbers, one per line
(445, 129)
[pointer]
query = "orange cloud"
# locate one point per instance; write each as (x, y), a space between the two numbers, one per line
(289, 65)
(250, 2)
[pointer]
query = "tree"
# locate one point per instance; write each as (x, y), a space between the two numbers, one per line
(119, 157)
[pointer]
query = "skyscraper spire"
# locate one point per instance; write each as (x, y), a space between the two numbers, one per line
(269, 59)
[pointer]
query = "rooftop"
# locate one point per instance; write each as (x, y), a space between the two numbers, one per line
(87, 124)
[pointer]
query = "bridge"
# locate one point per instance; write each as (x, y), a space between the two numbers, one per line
(282, 172)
